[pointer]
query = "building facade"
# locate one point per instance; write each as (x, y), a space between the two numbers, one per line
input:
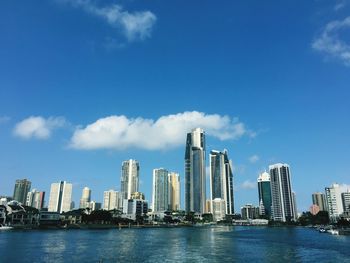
(264, 189)
(346, 201)
(195, 177)
(85, 198)
(160, 191)
(129, 179)
(319, 199)
(334, 201)
(219, 208)
(35, 199)
(283, 207)
(174, 191)
(22, 187)
(111, 200)
(250, 212)
(221, 179)
(60, 197)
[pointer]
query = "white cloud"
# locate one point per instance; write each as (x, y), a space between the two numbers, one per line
(134, 25)
(340, 5)
(254, 158)
(38, 127)
(248, 185)
(120, 132)
(330, 43)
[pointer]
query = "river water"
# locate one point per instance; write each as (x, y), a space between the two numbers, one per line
(186, 244)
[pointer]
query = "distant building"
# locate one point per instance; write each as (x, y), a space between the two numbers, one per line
(314, 209)
(334, 201)
(138, 195)
(85, 198)
(249, 212)
(195, 177)
(60, 197)
(22, 187)
(5, 199)
(218, 209)
(93, 205)
(264, 189)
(294, 198)
(174, 191)
(35, 199)
(221, 179)
(208, 206)
(129, 179)
(346, 201)
(160, 193)
(283, 207)
(111, 200)
(319, 199)
(133, 208)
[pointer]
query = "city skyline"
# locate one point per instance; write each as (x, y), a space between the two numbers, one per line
(80, 92)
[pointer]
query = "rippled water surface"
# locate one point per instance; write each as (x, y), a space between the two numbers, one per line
(192, 244)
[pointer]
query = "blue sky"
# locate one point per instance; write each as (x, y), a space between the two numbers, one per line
(266, 80)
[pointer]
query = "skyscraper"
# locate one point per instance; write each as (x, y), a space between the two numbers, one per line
(195, 178)
(85, 198)
(346, 201)
(111, 200)
(264, 188)
(174, 191)
(281, 193)
(334, 201)
(60, 197)
(22, 187)
(160, 193)
(129, 179)
(319, 199)
(35, 199)
(221, 180)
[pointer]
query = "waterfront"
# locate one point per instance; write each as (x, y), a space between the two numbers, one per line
(187, 244)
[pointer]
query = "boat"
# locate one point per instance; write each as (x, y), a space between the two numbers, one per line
(4, 227)
(322, 230)
(333, 231)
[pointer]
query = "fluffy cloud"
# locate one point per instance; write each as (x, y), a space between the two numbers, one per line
(120, 132)
(134, 25)
(38, 127)
(254, 158)
(248, 185)
(331, 44)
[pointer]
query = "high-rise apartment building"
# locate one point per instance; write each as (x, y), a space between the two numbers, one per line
(22, 187)
(129, 179)
(221, 179)
(60, 197)
(283, 207)
(85, 198)
(346, 201)
(174, 191)
(264, 189)
(334, 201)
(111, 200)
(319, 199)
(195, 178)
(160, 193)
(35, 199)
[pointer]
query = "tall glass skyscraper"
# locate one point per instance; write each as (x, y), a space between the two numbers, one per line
(264, 188)
(22, 187)
(160, 193)
(221, 180)
(195, 178)
(281, 193)
(174, 191)
(129, 179)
